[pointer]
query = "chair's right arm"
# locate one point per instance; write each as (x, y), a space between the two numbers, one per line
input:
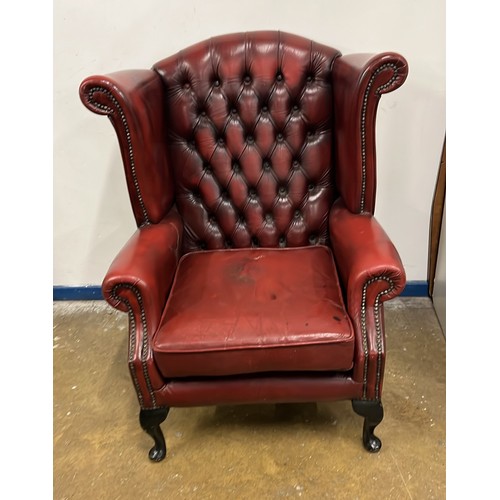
(133, 101)
(140, 277)
(138, 282)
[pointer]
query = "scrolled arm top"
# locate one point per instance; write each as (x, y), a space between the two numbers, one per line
(120, 91)
(381, 73)
(141, 275)
(133, 101)
(359, 80)
(365, 256)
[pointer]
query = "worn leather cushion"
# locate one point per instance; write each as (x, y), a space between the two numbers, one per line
(254, 310)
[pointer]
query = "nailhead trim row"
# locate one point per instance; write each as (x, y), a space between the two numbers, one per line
(133, 338)
(130, 150)
(378, 329)
(363, 121)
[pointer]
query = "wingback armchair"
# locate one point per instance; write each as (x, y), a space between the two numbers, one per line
(258, 271)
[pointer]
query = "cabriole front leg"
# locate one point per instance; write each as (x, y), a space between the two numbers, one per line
(150, 421)
(373, 412)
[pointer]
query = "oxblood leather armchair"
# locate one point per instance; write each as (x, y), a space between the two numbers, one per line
(257, 272)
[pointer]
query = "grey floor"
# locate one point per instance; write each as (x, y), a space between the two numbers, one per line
(245, 452)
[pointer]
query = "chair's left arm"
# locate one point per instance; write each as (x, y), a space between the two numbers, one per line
(371, 272)
(138, 282)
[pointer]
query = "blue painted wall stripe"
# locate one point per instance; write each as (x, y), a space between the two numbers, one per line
(93, 292)
(90, 292)
(416, 289)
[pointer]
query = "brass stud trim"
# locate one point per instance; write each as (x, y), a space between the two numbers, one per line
(133, 340)
(378, 329)
(363, 121)
(110, 111)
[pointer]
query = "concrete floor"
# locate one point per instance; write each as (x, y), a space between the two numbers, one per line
(245, 452)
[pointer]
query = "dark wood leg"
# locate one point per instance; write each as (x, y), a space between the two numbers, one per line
(373, 412)
(150, 421)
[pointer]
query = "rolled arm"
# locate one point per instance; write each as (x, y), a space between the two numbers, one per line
(358, 81)
(371, 272)
(133, 101)
(364, 253)
(142, 273)
(138, 282)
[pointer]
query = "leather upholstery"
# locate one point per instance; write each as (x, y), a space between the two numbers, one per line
(359, 81)
(250, 140)
(259, 142)
(132, 101)
(372, 273)
(242, 311)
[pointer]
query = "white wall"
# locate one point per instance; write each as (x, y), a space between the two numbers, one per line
(92, 214)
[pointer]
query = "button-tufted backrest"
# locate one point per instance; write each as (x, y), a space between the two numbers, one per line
(250, 139)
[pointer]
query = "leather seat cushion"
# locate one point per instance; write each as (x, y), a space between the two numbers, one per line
(254, 310)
